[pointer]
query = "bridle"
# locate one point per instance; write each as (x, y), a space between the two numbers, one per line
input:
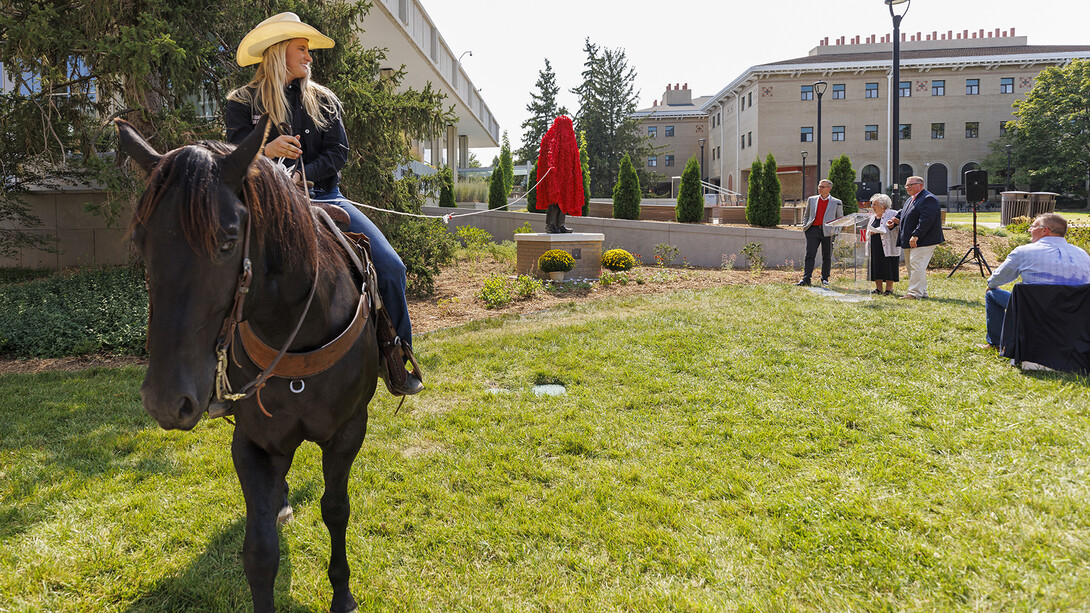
(234, 318)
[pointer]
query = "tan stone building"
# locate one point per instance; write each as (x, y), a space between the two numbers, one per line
(956, 92)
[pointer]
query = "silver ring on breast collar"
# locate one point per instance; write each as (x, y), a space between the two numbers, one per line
(302, 386)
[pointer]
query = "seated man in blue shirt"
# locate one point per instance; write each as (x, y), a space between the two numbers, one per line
(1048, 260)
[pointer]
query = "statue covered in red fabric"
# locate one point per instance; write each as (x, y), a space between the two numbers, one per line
(561, 190)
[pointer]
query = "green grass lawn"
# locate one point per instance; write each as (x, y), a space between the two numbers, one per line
(749, 448)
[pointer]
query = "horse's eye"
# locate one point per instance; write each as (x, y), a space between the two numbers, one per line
(227, 246)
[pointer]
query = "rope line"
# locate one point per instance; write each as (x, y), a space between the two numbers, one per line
(446, 218)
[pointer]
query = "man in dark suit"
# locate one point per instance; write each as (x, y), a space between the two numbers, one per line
(820, 210)
(920, 232)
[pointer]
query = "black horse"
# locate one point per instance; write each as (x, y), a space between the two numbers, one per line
(210, 284)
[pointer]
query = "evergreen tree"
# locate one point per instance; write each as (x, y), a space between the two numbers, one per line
(446, 188)
(690, 206)
(771, 200)
(531, 194)
(543, 110)
(507, 167)
(497, 191)
(753, 192)
(626, 193)
(586, 171)
(842, 175)
(607, 99)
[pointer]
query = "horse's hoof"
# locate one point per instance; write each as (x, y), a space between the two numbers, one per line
(285, 516)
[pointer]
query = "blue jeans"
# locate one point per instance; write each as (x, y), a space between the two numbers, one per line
(995, 309)
(388, 265)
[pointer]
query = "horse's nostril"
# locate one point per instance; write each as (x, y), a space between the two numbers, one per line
(188, 406)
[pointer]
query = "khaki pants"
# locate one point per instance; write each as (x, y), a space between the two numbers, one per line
(916, 261)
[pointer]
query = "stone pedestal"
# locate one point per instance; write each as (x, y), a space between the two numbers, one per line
(585, 247)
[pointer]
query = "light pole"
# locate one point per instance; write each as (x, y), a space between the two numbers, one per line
(819, 89)
(458, 66)
(804, 175)
(702, 141)
(895, 92)
(1008, 147)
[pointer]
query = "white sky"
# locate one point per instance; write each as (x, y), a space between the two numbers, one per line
(705, 43)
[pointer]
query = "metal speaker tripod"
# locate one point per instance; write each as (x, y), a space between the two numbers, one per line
(974, 251)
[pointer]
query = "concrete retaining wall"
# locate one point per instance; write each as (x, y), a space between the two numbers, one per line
(700, 244)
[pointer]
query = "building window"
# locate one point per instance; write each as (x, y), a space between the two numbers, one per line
(743, 141)
(807, 134)
(838, 91)
(870, 133)
(838, 132)
(749, 137)
(972, 87)
(938, 88)
(751, 98)
(905, 133)
(871, 90)
(652, 131)
(807, 92)
(669, 131)
(972, 129)
(1006, 85)
(719, 152)
(743, 103)
(713, 122)
(904, 89)
(652, 160)
(938, 130)
(669, 160)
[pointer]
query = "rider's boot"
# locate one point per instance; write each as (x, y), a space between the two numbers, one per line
(396, 356)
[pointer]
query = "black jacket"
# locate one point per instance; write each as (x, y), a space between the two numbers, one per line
(324, 153)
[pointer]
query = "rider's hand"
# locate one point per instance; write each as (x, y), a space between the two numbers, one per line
(284, 146)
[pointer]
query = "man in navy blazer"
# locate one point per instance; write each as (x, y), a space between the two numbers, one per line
(820, 210)
(921, 231)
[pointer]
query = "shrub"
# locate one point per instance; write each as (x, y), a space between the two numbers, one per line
(473, 189)
(446, 188)
(526, 286)
(497, 196)
(496, 292)
(618, 259)
(944, 257)
(626, 193)
(555, 260)
(531, 193)
(619, 277)
(843, 177)
(525, 228)
(424, 246)
(72, 313)
(690, 206)
(1020, 225)
(753, 192)
(1079, 236)
(1003, 248)
(665, 254)
(754, 252)
(473, 238)
(768, 210)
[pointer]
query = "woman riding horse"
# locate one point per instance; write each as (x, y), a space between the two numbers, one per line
(312, 139)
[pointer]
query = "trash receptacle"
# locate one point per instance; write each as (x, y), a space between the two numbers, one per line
(1014, 204)
(1041, 202)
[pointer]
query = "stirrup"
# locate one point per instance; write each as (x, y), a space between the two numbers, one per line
(399, 380)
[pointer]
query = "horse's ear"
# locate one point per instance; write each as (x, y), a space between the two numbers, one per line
(134, 145)
(236, 164)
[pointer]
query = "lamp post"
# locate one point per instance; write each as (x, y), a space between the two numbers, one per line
(1008, 147)
(819, 89)
(702, 141)
(895, 93)
(458, 66)
(804, 175)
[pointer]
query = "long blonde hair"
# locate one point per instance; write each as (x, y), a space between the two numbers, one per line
(265, 91)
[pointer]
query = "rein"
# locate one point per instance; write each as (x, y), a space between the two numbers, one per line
(231, 323)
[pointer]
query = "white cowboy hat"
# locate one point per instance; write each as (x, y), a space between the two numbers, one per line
(275, 29)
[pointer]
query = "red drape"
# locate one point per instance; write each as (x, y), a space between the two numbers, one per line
(560, 156)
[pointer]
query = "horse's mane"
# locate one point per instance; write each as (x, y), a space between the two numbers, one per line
(279, 211)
